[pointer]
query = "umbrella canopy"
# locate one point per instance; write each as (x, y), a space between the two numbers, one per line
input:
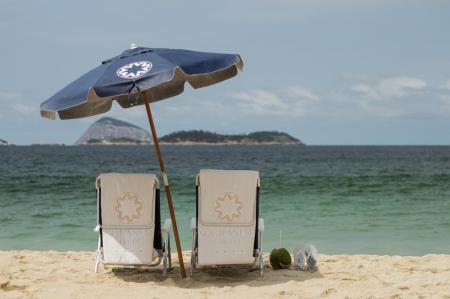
(141, 76)
(161, 72)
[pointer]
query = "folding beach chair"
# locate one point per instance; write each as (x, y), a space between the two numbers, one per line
(227, 229)
(129, 221)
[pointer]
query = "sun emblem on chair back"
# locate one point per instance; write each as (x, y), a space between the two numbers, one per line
(128, 207)
(228, 207)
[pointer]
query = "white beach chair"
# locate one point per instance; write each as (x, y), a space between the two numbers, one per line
(129, 221)
(227, 229)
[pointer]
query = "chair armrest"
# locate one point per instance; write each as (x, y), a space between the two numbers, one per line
(167, 225)
(193, 223)
(97, 228)
(260, 225)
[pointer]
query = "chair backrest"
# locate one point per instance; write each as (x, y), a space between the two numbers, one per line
(126, 205)
(226, 216)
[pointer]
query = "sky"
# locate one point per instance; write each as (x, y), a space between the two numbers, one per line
(327, 72)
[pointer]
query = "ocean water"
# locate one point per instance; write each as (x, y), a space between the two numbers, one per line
(343, 199)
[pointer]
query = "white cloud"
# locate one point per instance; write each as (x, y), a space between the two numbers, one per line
(394, 87)
(399, 86)
(7, 96)
(22, 109)
(365, 90)
(446, 85)
(298, 91)
(15, 105)
(391, 97)
(291, 101)
(399, 97)
(133, 112)
(261, 102)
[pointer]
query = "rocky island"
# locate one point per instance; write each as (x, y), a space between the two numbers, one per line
(3, 142)
(112, 131)
(108, 130)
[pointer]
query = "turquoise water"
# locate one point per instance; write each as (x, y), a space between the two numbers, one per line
(343, 199)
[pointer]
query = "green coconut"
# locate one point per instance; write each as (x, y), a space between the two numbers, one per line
(280, 258)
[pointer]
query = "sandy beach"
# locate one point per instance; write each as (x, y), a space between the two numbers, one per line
(51, 274)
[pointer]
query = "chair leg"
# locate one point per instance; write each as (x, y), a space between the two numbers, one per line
(97, 257)
(193, 253)
(165, 252)
(261, 265)
(260, 253)
(96, 263)
(164, 263)
(169, 254)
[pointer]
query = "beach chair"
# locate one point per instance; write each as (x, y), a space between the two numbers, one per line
(129, 222)
(227, 229)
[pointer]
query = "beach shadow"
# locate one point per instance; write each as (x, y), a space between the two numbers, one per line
(140, 274)
(214, 276)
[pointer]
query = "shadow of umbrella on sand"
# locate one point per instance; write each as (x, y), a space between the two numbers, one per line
(142, 76)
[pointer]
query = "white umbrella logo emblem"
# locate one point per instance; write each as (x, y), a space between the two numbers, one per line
(134, 70)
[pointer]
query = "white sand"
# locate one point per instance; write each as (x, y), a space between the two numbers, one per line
(50, 274)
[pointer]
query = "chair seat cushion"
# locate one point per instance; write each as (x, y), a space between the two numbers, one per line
(222, 245)
(227, 216)
(128, 213)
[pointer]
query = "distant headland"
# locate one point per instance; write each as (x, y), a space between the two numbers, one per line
(110, 131)
(3, 142)
(205, 137)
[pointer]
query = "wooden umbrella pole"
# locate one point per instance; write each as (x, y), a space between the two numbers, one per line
(166, 183)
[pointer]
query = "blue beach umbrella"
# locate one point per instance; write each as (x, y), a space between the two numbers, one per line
(141, 76)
